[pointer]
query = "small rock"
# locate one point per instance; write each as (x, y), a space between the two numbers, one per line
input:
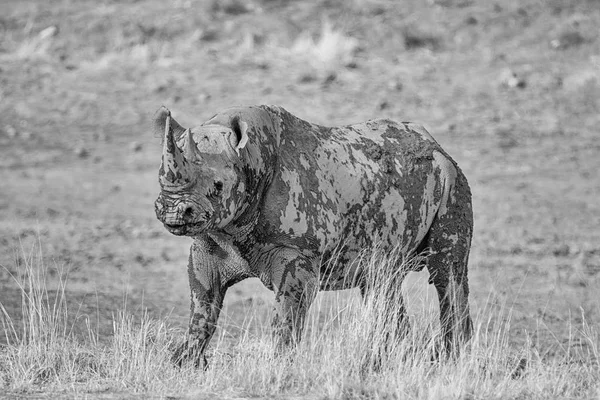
(136, 147)
(330, 78)
(208, 35)
(159, 88)
(204, 97)
(395, 85)
(263, 65)
(82, 152)
(48, 32)
(164, 254)
(377, 9)
(566, 40)
(384, 105)
(471, 20)
(235, 7)
(562, 250)
(510, 79)
(307, 78)
(11, 132)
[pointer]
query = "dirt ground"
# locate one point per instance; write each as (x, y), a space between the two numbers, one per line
(510, 88)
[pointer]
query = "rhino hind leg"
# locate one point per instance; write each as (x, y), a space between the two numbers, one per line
(294, 281)
(450, 242)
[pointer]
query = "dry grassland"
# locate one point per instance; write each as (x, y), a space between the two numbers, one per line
(93, 290)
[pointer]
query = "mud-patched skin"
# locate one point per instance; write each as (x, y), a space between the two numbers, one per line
(265, 194)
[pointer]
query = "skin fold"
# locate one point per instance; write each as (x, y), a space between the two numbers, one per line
(266, 194)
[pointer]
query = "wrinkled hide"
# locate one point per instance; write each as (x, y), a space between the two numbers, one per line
(265, 194)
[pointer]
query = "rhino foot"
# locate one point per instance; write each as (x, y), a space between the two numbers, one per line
(185, 354)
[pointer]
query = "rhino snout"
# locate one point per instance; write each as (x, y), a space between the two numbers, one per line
(182, 213)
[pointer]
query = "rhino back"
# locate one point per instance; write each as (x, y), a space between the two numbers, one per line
(351, 187)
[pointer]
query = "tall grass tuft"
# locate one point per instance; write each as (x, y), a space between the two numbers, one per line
(353, 347)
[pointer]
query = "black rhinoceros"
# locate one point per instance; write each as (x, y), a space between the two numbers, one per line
(266, 194)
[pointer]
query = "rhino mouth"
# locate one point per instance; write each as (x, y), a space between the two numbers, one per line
(188, 229)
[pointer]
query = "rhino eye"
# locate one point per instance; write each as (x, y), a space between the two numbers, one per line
(218, 186)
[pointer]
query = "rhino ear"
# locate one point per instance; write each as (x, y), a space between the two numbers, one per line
(240, 129)
(159, 121)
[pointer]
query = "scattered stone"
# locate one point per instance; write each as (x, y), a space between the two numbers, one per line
(377, 9)
(82, 152)
(506, 138)
(208, 35)
(48, 32)
(567, 40)
(562, 250)
(396, 85)
(159, 88)
(307, 78)
(415, 38)
(509, 78)
(136, 147)
(263, 65)
(471, 20)
(329, 79)
(203, 97)
(164, 254)
(234, 7)
(11, 131)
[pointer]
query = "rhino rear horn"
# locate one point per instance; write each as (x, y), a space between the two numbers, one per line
(189, 147)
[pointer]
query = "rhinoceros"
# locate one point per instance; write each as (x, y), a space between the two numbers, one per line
(266, 194)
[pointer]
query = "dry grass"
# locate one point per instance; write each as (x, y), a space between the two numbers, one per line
(77, 159)
(345, 353)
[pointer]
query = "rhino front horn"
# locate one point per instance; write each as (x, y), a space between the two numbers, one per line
(174, 170)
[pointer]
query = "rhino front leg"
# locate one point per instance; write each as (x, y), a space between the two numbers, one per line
(295, 285)
(388, 316)
(207, 293)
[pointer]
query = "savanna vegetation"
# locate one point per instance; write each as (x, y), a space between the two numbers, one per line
(93, 291)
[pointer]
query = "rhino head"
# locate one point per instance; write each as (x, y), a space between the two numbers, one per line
(203, 185)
